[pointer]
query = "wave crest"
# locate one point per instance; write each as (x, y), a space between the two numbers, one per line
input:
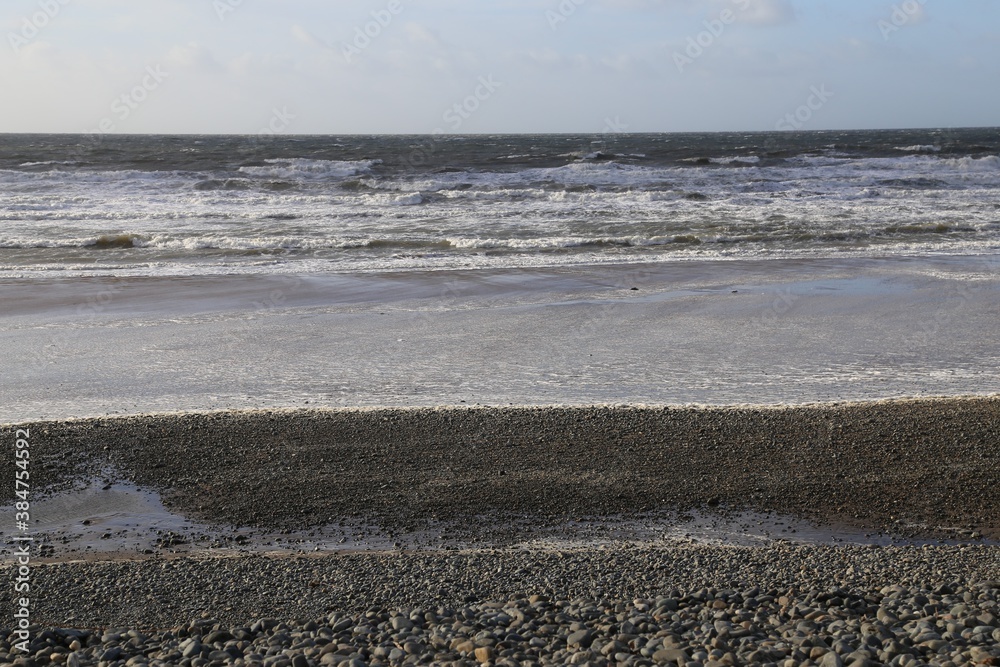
(291, 168)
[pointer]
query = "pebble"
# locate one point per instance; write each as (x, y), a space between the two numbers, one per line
(700, 605)
(766, 627)
(707, 605)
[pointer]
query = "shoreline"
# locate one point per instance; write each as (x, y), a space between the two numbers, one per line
(100, 297)
(444, 407)
(722, 333)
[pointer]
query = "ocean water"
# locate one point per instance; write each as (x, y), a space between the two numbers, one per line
(208, 205)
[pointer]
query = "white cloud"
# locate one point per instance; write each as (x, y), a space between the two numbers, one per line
(191, 54)
(303, 36)
(756, 12)
(765, 12)
(420, 34)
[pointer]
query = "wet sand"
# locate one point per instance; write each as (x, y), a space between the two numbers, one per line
(706, 332)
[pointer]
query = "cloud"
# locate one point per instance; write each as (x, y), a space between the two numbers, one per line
(229, 75)
(550, 59)
(303, 36)
(420, 34)
(191, 54)
(754, 12)
(765, 12)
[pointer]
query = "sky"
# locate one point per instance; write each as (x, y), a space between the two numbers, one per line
(490, 66)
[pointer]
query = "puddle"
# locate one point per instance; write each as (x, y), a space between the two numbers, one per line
(100, 518)
(121, 520)
(719, 528)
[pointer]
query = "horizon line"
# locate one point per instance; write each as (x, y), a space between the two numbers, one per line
(482, 134)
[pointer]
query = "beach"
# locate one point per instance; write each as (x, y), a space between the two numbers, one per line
(730, 464)
(659, 401)
(614, 606)
(531, 333)
(698, 332)
(517, 575)
(744, 441)
(910, 466)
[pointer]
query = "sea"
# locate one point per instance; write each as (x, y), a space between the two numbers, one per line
(112, 205)
(161, 273)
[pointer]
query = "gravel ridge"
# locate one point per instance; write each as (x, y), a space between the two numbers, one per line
(921, 467)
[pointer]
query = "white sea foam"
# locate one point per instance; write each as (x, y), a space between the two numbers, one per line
(990, 163)
(46, 163)
(359, 215)
(305, 168)
(408, 200)
(736, 159)
(920, 149)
